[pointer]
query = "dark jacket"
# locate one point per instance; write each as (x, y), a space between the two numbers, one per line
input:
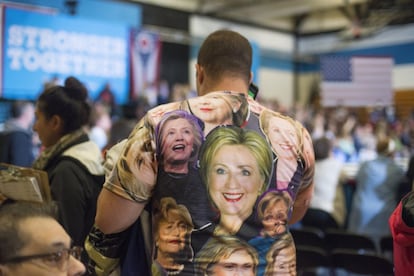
(16, 147)
(76, 177)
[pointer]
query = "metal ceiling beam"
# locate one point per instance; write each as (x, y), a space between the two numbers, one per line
(317, 16)
(288, 8)
(182, 5)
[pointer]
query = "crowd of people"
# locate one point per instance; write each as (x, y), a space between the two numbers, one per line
(204, 184)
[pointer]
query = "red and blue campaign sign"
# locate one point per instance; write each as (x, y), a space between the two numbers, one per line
(145, 61)
(38, 47)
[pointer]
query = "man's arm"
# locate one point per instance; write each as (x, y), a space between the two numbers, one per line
(301, 204)
(130, 169)
(115, 213)
(110, 205)
(305, 192)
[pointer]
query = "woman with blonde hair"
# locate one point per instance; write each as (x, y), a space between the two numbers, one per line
(292, 150)
(281, 257)
(273, 210)
(226, 255)
(217, 109)
(235, 165)
(172, 226)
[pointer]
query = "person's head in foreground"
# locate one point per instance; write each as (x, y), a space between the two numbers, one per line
(33, 243)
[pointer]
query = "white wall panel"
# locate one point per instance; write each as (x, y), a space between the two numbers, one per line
(332, 42)
(276, 84)
(403, 77)
(307, 82)
(201, 26)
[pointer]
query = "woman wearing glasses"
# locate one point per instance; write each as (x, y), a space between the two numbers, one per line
(32, 242)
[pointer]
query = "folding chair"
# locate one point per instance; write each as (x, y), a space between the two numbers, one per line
(341, 239)
(308, 236)
(365, 263)
(387, 247)
(311, 260)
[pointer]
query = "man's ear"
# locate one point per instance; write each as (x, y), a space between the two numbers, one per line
(56, 122)
(199, 74)
(251, 77)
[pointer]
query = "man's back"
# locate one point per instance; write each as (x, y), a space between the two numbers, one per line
(168, 152)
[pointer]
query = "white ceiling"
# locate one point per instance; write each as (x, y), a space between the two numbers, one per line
(302, 17)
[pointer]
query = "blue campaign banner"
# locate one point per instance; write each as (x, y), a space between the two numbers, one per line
(40, 47)
(255, 61)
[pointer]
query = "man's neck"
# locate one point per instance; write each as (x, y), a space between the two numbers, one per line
(230, 84)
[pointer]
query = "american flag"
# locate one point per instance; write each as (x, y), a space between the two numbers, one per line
(356, 81)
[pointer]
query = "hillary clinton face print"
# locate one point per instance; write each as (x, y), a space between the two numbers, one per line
(235, 165)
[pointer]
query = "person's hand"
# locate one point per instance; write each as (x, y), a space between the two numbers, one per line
(136, 169)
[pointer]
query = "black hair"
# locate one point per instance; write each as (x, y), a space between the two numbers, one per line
(12, 239)
(226, 52)
(322, 147)
(69, 102)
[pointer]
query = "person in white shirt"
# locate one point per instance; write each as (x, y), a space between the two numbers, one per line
(327, 207)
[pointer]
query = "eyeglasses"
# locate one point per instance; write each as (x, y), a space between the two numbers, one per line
(59, 259)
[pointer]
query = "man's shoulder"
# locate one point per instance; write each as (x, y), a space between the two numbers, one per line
(16, 134)
(155, 113)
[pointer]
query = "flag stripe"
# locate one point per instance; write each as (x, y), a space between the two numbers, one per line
(356, 81)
